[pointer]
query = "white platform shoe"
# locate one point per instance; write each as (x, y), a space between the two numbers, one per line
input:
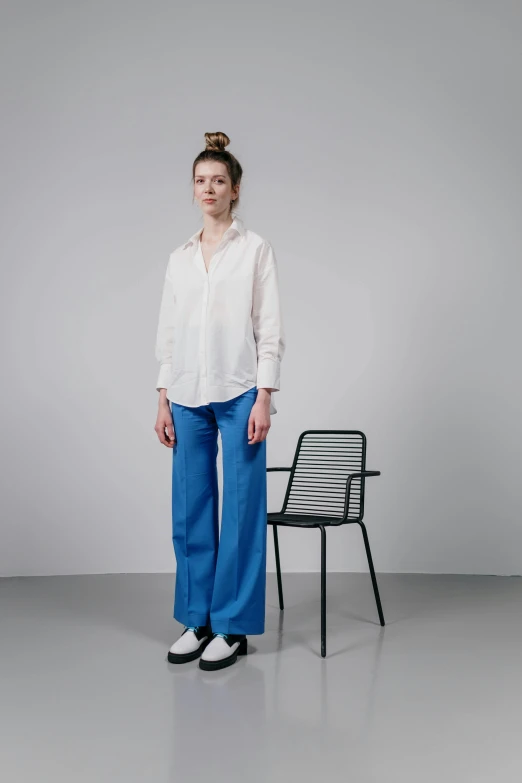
(222, 651)
(190, 644)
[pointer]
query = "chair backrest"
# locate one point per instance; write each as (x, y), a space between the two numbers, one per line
(317, 482)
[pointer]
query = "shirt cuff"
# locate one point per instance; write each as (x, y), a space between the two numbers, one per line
(268, 374)
(164, 377)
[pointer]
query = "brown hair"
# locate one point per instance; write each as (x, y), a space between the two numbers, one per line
(215, 150)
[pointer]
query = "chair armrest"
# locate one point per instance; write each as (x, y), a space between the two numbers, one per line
(272, 469)
(362, 474)
(358, 474)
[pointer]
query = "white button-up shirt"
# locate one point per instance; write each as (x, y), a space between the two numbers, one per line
(220, 332)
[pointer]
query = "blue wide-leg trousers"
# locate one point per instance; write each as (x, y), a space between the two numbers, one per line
(220, 578)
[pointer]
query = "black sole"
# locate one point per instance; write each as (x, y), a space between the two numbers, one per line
(186, 657)
(224, 662)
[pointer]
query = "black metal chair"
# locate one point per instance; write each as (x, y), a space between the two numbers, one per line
(325, 489)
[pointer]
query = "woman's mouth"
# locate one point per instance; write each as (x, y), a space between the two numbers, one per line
(209, 200)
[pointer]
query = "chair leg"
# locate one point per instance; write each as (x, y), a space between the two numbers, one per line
(278, 568)
(372, 572)
(323, 591)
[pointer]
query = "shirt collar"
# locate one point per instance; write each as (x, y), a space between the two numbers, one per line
(237, 226)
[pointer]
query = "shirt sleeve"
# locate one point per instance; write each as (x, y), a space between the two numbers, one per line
(165, 332)
(267, 320)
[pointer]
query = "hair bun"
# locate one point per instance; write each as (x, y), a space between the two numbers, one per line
(216, 141)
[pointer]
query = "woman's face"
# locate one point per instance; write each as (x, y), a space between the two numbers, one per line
(211, 181)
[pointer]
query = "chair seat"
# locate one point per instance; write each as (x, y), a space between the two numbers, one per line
(303, 520)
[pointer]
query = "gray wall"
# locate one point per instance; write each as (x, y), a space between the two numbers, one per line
(381, 149)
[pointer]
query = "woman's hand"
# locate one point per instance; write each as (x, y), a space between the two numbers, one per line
(259, 419)
(164, 422)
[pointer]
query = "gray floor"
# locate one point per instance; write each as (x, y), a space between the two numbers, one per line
(88, 695)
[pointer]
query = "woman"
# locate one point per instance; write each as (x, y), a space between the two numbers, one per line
(220, 343)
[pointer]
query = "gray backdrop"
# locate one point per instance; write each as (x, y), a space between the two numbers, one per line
(381, 148)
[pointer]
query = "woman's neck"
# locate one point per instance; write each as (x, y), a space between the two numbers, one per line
(214, 228)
